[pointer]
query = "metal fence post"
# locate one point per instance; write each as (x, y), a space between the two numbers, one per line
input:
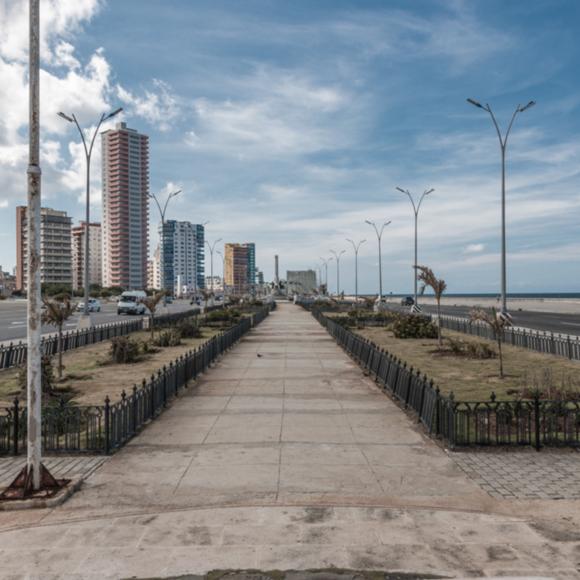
(537, 421)
(134, 409)
(107, 425)
(16, 426)
(437, 411)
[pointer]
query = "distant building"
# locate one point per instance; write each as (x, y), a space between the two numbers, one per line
(7, 283)
(182, 256)
(95, 255)
(300, 281)
(153, 271)
(240, 267)
(125, 207)
(218, 283)
(55, 248)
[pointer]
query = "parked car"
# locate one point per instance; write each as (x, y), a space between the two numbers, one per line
(94, 305)
(131, 302)
(407, 301)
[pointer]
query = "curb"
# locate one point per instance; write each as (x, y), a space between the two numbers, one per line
(39, 503)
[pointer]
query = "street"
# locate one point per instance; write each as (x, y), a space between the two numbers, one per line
(546, 321)
(13, 318)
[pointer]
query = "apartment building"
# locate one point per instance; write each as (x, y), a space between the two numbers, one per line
(78, 238)
(125, 207)
(55, 247)
(240, 267)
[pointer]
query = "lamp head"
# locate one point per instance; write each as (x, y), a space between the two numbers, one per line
(475, 103)
(65, 117)
(115, 112)
(369, 222)
(429, 191)
(400, 189)
(526, 107)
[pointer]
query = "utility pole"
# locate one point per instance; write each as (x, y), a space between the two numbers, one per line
(337, 258)
(379, 237)
(356, 248)
(85, 319)
(503, 146)
(325, 264)
(416, 208)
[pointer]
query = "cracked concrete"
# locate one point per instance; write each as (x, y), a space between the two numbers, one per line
(288, 461)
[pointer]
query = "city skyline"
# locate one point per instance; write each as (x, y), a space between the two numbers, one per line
(296, 152)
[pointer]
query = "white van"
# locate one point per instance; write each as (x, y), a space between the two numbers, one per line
(131, 302)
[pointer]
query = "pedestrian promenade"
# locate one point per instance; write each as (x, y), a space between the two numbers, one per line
(285, 456)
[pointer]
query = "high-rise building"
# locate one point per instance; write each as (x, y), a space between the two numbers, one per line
(55, 247)
(125, 207)
(182, 257)
(154, 271)
(240, 267)
(95, 255)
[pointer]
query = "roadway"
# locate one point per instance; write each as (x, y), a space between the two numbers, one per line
(13, 318)
(547, 321)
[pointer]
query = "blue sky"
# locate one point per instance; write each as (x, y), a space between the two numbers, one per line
(290, 123)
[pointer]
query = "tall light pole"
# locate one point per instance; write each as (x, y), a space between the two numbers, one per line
(223, 270)
(337, 256)
(34, 355)
(162, 211)
(503, 146)
(325, 264)
(211, 249)
(356, 248)
(379, 237)
(85, 319)
(416, 208)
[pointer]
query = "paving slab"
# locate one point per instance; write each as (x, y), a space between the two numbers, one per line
(294, 460)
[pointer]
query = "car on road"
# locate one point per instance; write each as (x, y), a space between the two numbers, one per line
(131, 302)
(407, 301)
(94, 305)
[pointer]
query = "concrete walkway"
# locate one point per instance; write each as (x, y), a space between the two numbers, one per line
(284, 456)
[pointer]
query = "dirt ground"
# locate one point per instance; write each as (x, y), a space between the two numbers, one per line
(473, 379)
(89, 378)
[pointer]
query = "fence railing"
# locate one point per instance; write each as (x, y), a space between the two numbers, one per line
(105, 428)
(547, 342)
(536, 422)
(14, 354)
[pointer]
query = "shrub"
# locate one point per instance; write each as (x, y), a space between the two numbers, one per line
(47, 377)
(124, 350)
(167, 338)
(413, 326)
(188, 328)
(480, 350)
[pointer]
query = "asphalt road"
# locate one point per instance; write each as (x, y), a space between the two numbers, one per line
(13, 318)
(547, 321)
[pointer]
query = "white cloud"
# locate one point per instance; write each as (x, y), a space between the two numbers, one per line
(474, 248)
(158, 106)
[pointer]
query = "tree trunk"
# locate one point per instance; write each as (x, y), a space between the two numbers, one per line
(151, 318)
(500, 358)
(439, 321)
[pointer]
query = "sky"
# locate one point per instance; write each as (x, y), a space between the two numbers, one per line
(289, 124)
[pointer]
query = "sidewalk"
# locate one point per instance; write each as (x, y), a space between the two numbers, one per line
(284, 456)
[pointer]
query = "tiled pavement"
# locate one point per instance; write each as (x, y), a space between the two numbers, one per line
(524, 474)
(289, 460)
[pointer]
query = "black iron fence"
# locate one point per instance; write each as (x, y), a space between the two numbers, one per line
(546, 342)
(104, 428)
(536, 422)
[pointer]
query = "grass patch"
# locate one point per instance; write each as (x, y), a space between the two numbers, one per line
(471, 379)
(89, 378)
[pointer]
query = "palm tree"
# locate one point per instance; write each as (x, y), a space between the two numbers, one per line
(428, 278)
(151, 303)
(497, 322)
(56, 312)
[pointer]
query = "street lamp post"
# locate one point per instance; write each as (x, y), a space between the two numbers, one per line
(503, 146)
(211, 249)
(337, 258)
(85, 319)
(356, 248)
(416, 208)
(223, 270)
(325, 264)
(379, 237)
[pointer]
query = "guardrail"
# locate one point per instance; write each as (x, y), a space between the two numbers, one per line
(535, 422)
(105, 428)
